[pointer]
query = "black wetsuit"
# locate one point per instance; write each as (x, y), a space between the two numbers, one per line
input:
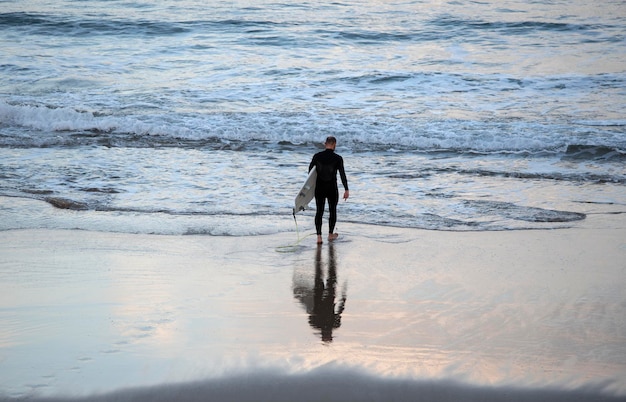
(327, 163)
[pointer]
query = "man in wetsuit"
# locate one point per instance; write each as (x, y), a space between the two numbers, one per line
(327, 163)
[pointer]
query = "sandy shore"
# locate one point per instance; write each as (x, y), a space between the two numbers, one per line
(406, 313)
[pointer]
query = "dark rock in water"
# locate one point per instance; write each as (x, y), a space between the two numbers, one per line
(100, 190)
(522, 213)
(593, 152)
(37, 192)
(64, 203)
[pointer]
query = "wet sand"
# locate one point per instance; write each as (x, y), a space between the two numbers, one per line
(383, 313)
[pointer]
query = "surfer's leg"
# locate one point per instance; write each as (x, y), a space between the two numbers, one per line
(333, 200)
(319, 213)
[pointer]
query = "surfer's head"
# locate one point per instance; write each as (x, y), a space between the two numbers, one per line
(331, 142)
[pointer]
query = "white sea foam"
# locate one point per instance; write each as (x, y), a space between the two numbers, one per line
(52, 119)
(67, 126)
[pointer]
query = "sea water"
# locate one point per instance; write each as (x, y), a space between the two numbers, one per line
(193, 117)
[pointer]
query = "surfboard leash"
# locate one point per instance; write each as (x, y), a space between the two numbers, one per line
(289, 248)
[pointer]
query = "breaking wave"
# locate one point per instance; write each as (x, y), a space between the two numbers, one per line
(57, 126)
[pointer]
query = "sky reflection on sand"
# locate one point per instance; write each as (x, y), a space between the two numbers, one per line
(85, 312)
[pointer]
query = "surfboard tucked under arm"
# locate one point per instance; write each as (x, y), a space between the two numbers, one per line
(306, 193)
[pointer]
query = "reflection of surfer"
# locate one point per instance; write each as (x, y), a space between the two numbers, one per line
(324, 313)
(328, 163)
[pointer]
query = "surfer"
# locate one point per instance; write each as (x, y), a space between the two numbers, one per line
(327, 163)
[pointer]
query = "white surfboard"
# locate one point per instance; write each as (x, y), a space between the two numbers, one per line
(306, 193)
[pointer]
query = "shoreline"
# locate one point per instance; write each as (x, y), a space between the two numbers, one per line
(87, 313)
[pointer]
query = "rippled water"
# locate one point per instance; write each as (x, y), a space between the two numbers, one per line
(183, 117)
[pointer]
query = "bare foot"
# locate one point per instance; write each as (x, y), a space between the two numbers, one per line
(319, 239)
(332, 236)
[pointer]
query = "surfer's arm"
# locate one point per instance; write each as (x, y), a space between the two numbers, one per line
(344, 180)
(342, 174)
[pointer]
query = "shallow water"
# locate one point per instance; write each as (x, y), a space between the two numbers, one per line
(411, 313)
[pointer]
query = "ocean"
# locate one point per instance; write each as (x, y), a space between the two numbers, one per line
(188, 117)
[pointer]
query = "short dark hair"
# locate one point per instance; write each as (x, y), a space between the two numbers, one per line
(330, 140)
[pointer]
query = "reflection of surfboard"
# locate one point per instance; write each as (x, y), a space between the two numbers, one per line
(306, 193)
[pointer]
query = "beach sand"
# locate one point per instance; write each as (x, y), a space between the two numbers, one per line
(381, 314)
